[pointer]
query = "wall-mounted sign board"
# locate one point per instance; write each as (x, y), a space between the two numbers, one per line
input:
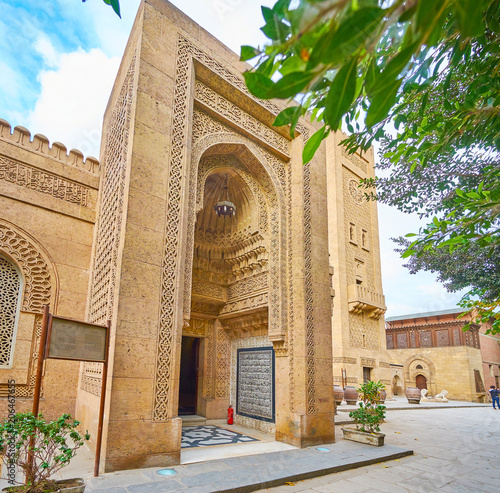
(75, 340)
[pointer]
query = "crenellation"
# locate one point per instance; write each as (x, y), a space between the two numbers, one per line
(41, 144)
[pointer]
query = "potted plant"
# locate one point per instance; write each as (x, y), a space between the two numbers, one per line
(39, 449)
(368, 417)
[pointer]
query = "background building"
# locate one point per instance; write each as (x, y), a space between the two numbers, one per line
(433, 352)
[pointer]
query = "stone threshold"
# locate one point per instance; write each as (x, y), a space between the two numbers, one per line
(249, 473)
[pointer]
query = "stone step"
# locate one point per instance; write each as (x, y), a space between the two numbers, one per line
(193, 420)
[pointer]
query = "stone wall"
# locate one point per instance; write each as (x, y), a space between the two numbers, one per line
(48, 198)
(446, 368)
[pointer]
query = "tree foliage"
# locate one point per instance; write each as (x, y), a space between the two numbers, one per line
(420, 76)
(115, 4)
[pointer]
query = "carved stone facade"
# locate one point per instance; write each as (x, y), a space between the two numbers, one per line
(181, 132)
(358, 302)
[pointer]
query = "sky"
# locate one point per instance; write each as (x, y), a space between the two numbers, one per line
(58, 61)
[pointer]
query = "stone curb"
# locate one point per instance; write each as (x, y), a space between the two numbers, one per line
(249, 473)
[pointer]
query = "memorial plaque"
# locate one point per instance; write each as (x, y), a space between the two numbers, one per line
(71, 339)
(255, 383)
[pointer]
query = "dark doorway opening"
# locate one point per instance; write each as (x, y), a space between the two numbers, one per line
(367, 374)
(188, 384)
(421, 382)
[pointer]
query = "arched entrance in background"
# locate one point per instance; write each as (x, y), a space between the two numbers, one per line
(421, 382)
(397, 385)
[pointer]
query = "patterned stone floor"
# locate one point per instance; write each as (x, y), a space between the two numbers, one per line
(209, 435)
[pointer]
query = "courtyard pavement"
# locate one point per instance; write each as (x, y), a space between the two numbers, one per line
(456, 449)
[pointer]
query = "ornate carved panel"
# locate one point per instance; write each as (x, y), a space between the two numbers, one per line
(10, 281)
(223, 362)
(102, 291)
(36, 277)
(236, 115)
(32, 178)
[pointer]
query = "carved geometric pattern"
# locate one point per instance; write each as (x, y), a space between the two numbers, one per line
(236, 115)
(247, 286)
(92, 378)
(44, 182)
(111, 205)
(114, 164)
(310, 366)
(10, 283)
(36, 277)
(170, 278)
(249, 303)
(223, 363)
(368, 362)
(208, 367)
(384, 364)
(345, 359)
(354, 160)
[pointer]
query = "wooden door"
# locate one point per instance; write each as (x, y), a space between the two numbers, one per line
(421, 382)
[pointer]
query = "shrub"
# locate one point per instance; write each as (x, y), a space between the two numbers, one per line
(52, 444)
(370, 413)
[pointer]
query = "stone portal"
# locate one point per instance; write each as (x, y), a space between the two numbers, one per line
(180, 125)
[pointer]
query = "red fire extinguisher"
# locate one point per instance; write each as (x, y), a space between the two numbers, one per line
(230, 414)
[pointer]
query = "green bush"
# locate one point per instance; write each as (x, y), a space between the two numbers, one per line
(52, 444)
(370, 413)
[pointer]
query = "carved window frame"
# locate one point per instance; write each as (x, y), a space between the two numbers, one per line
(19, 302)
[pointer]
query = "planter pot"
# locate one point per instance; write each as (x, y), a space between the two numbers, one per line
(375, 439)
(338, 393)
(413, 395)
(383, 396)
(65, 486)
(351, 395)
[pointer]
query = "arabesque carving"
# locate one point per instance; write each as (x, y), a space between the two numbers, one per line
(112, 190)
(36, 277)
(237, 116)
(44, 182)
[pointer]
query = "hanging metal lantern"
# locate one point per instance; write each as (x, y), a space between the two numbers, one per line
(225, 207)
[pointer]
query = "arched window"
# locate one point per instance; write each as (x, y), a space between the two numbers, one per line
(10, 305)
(420, 367)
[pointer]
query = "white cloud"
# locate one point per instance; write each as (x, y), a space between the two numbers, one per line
(73, 99)
(47, 50)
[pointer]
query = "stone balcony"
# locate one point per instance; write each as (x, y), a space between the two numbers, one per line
(361, 299)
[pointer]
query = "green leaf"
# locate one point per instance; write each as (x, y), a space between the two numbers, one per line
(341, 93)
(286, 117)
(381, 104)
(267, 13)
(290, 85)
(312, 145)
(292, 64)
(469, 15)
(353, 31)
(248, 52)
(385, 79)
(115, 4)
(258, 84)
